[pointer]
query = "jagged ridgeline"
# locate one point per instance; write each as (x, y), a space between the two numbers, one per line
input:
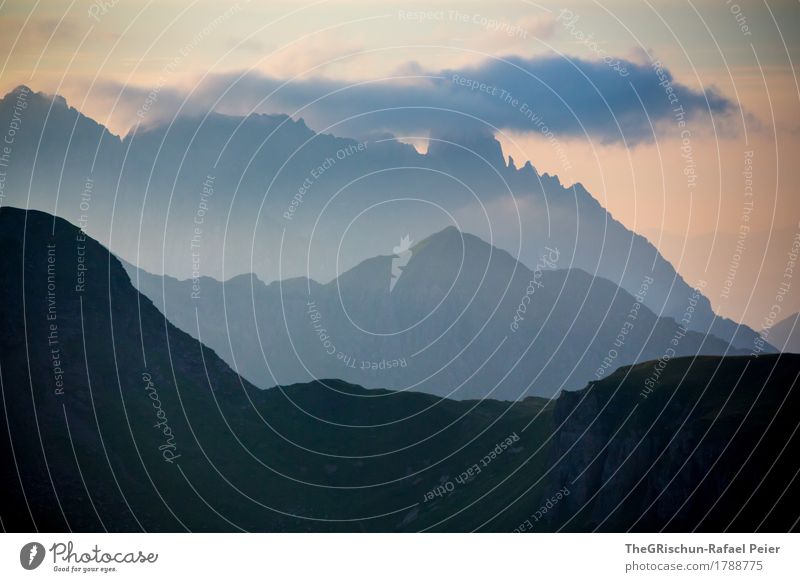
(115, 419)
(223, 195)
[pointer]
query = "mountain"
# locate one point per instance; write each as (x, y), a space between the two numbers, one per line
(710, 448)
(785, 334)
(460, 319)
(220, 196)
(115, 420)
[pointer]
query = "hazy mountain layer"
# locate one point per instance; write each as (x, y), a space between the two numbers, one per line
(221, 196)
(462, 319)
(785, 334)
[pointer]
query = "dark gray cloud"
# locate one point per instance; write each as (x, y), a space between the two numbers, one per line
(611, 101)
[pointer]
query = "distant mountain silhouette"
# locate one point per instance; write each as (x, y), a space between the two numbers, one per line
(221, 196)
(465, 320)
(113, 419)
(785, 334)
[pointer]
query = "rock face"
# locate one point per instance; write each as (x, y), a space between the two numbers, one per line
(711, 448)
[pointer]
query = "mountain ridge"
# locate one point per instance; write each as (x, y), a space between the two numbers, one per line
(159, 176)
(453, 304)
(330, 456)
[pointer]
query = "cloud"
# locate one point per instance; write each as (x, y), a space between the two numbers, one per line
(613, 101)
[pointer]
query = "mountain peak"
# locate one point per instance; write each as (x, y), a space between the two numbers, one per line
(452, 246)
(447, 237)
(435, 256)
(23, 91)
(18, 90)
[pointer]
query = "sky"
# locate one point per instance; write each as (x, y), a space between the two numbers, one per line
(731, 66)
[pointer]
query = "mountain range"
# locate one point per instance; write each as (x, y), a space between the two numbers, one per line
(114, 419)
(219, 196)
(463, 320)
